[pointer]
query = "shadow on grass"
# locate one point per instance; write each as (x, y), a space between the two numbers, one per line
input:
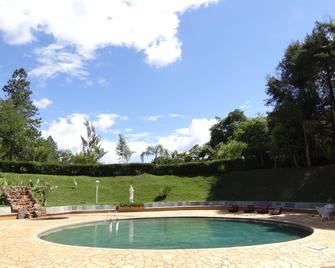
(160, 198)
(313, 184)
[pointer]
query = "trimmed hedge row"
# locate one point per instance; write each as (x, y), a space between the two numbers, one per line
(184, 169)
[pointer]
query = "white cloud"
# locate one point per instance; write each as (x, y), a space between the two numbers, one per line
(66, 131)
(42, 103)
(105, 121)
(174, 115)
(79, 28)
(54, 59)
(185, 138)
(245, 106)
(151, 117)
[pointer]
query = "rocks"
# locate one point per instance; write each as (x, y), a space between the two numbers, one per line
(22, 202)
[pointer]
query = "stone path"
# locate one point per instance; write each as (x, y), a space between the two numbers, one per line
(21, 247)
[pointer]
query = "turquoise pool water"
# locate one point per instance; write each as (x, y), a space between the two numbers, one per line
(176, 233)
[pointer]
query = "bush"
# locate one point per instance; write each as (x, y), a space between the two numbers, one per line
(127, 204)
(165, 191)
(132, 169)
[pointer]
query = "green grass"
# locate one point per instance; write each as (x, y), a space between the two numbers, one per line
(315, 184)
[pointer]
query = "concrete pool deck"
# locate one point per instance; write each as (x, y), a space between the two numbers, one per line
(21, 247)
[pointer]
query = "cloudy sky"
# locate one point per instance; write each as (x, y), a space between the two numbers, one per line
(157, 71)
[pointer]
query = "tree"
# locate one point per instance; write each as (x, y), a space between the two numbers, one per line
(18, 91)
(92, 151)
(224, 129)
(156, 151)
(230, 151)
(43, 150)
(122, 150)
(296, 89)
(13, 132)
(65, 157)
(255, 133)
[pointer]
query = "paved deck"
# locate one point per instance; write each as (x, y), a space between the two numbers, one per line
(21, 247)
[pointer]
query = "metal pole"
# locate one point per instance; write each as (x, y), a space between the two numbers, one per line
(97, 191)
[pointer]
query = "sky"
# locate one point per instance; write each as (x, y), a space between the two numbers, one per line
(156, 71)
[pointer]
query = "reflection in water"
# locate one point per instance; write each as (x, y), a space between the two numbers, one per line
(116, 227)
(131, 231)
(95, 235)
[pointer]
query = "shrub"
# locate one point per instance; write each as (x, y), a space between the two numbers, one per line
(132, 169)
(127, 204)
(165, 191)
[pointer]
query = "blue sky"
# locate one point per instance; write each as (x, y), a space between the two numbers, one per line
(154, 70)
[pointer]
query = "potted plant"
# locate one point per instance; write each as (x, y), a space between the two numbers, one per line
(130, 207)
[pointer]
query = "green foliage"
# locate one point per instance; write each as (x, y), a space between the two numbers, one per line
(92, 151)
(157, 151)
(44, 191)
(123, 150)
(14, 137)
(230, 151)
(302, 123)
(224, 129)
(182, 169)
(165, 191)
(127, 204)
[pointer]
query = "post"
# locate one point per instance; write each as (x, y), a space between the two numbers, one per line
(97, 191)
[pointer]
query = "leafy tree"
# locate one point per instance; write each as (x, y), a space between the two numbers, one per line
(297, 90)
(224, 129)
(255, 134)
(43, 150)
(230, 151)
(156, 151)
(92, 151)
(65, 157)
(18, 91)
(13, 132)
(123, 150)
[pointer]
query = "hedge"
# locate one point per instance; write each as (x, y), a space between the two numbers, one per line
(184, 169)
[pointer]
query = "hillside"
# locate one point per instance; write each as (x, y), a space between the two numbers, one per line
(316, 184)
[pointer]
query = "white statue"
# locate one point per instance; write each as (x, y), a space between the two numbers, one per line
(131, 194)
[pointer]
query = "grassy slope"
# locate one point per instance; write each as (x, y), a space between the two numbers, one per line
(301, 184)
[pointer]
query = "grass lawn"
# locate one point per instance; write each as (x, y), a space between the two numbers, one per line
(315, 184)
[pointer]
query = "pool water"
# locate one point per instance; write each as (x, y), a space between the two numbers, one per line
(176, 233)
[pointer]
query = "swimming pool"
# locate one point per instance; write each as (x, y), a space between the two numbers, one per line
(176, 233)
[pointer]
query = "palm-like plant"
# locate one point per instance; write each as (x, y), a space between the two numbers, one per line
(156, 151)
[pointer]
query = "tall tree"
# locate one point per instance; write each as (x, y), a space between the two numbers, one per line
(13, 132)
(92, 151)
(18, 91)
(123, 150)
(224, 129)
(296, 87)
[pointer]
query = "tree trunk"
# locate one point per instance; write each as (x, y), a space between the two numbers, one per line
(332, 105)
(295, 162)
(261, 158)
(307, 145)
